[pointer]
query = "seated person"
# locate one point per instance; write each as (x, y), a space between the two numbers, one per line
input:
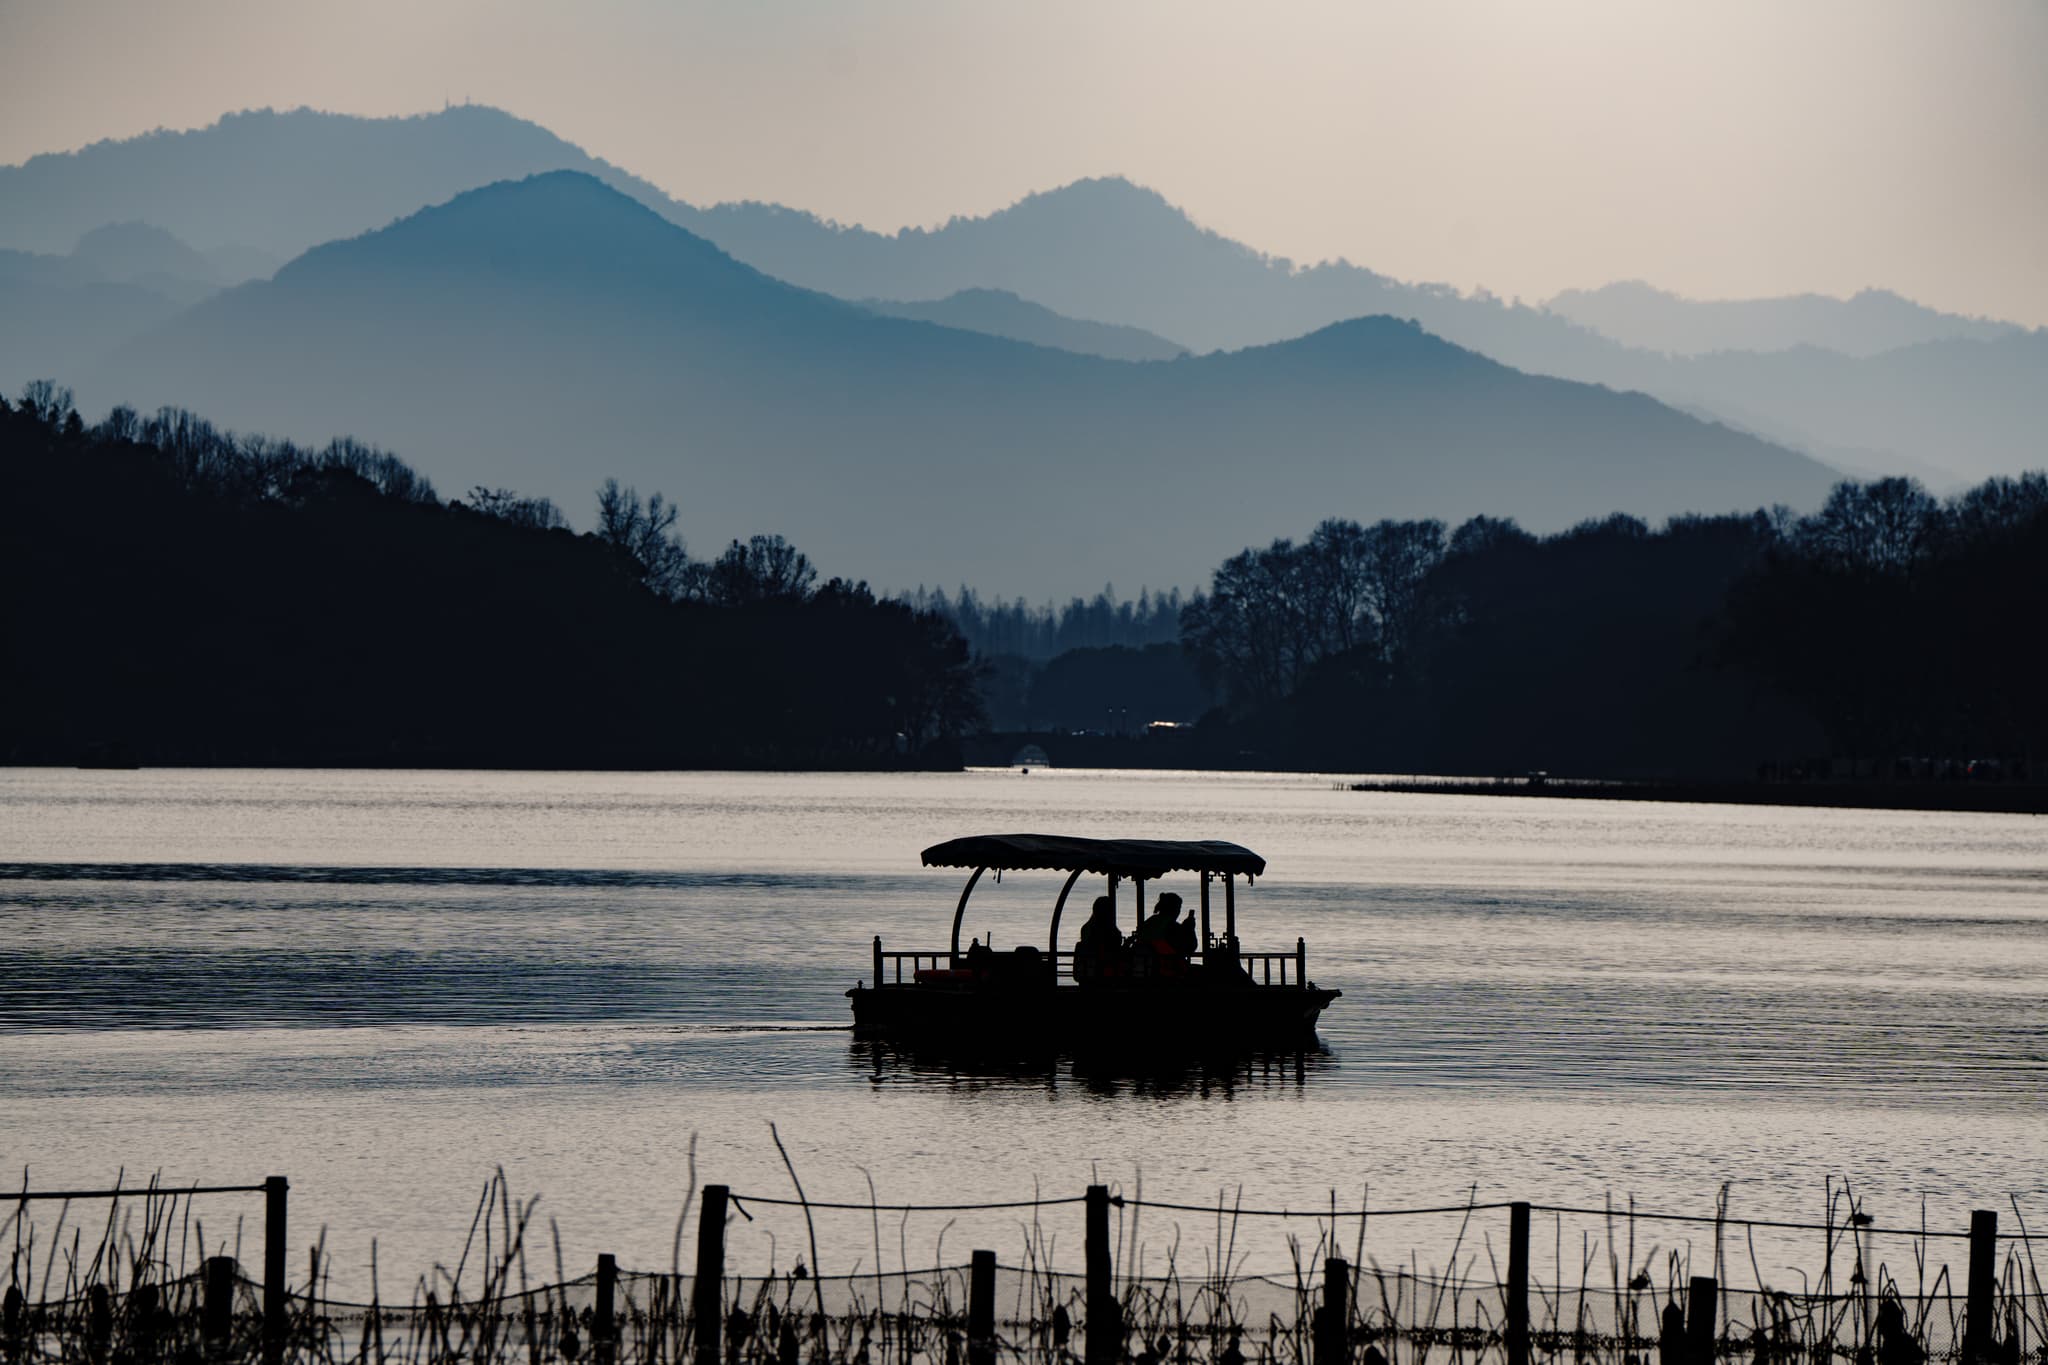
(1163, 924)
(1101, 943)
(1160, 937)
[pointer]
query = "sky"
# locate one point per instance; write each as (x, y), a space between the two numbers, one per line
(1720, 148)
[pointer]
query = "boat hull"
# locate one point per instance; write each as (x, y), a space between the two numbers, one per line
(1099, 1017)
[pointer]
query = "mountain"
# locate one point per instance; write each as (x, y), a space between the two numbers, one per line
(1108, 250)
(547, 333)
(268, 184)
(1103, 251)
(1972, 408)
(1865, 324)
(999, 313)
(63, 313)
(144, 254)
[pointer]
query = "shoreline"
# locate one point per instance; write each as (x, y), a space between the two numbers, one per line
(1961, 797)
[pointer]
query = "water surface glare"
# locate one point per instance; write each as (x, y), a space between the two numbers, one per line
(383, 983)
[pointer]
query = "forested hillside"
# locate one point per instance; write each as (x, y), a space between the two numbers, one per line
(176, 595)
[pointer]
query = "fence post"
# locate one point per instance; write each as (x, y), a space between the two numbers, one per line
(1301, 963)
(1977, 1333)
(217, 1318)
(1105, 1328)
(878, 961)
(1702, 1325)
(275, 1190)
(1518, 1284)
(604, 1323)
(981, 1310)
(1333, 1323)
(707, 1294)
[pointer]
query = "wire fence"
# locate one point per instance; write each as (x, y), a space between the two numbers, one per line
(144, 1289)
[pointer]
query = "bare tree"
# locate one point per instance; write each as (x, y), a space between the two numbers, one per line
(1256, 632)
(47, 402)
(1883, 527)
(502, 504)
(645, 533)
(1399, 556)
(763, 569)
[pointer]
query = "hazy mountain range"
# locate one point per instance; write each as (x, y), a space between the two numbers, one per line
(1874, 320)
(1871, 383)
(116, 238)
(547, 333)
(997, 312)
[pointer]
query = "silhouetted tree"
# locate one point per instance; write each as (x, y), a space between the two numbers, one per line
(503, 504)
(763, 569)
(1271, 615)
(1882, 527)
(998, 628)
(645, 535)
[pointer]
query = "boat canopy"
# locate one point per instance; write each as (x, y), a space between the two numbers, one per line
(1146, 858)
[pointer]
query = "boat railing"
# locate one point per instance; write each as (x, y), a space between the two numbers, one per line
(1262, 969)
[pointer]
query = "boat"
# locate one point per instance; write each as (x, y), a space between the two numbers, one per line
(1140, 993)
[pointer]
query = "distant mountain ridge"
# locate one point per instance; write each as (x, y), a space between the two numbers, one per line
(1101, 251)
(281, 181)
(547, 333)
(997, 312)
(61, 313)
(1864, 324)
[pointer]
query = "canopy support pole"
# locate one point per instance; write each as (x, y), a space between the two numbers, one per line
(1229, 910)
(1138, 910)
(960, 913)
(1205, 912)
(1052, 946)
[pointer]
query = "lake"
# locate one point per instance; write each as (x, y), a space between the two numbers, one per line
(385, 984)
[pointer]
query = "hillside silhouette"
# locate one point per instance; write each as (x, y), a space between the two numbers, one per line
(1880, 637)
(1104, 251)
(998, 312)
(279, 181)
(500, 336)
(237, 600)
(1864, 324)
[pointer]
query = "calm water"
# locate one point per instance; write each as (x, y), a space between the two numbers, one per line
(383, 984)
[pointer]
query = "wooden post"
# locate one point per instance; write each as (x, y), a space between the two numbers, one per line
(878, 961)
(1138, 909)
(707, 1292)
(1518, 1284)
(981, 1310)
(1230, 907)
(1301, 963)
(604, 1329)
(1702, 1311)
(217, 1318)
(1105, 1330)
(275, 1190)
(1333, 1322)
(1978, 1337)
(1205, 915)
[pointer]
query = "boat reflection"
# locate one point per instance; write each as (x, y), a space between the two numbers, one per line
(1220, 1074)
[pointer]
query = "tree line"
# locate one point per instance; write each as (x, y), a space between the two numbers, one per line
(177, 593)
(1890, 633)
(996, 627)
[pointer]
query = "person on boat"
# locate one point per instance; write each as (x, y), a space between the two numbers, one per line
(1159, 937)
(1101, 942)
(1163, 924)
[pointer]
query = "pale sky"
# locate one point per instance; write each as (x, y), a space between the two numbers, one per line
(1722, 148)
